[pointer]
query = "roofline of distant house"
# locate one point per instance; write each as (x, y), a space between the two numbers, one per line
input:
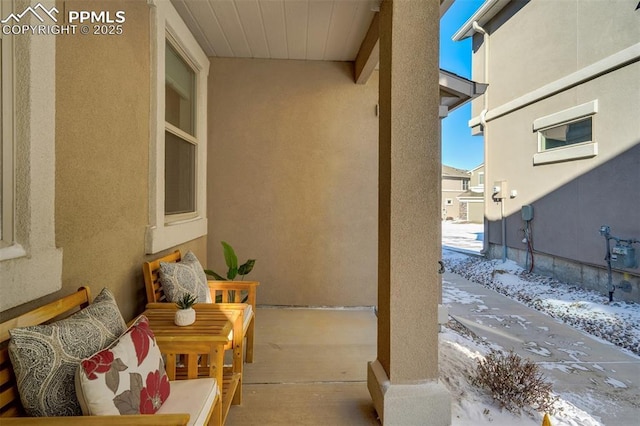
(477, 167)
(488, 10)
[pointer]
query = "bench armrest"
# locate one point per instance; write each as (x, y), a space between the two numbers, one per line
(129, 420)
(224, 287)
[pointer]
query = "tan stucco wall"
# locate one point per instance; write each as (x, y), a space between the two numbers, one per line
(102, 155)
(572, 199)
(559, 38)
(102, 161)
(451, 188)
(32, 248)
(292, 179)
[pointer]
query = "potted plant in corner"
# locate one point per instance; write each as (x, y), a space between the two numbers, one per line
(234, 270)
(185, 315)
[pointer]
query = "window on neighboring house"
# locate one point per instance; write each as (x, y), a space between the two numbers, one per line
(481, 178)
(566, 135)
(465, 184)
(6, 141)
(178, 150)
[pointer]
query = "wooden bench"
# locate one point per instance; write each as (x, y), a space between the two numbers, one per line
(11, 410)
(229, 292)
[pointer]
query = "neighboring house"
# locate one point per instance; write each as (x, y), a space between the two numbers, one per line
(560, 125)
(455, 182)
(472, 200)
(175, 125)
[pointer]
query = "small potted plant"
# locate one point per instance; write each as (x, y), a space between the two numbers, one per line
(185, 315)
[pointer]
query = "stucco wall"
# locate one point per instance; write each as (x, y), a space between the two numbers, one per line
(573, 198)
(32, 249)
(293, 151)
(558, 38)
(101, 158)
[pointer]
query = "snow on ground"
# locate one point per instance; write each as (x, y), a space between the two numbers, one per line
(466, 236)
(617, 322)
(471, 406)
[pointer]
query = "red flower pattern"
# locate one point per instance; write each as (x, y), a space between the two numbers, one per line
(99, 363)
(155, 393)
(142, 337)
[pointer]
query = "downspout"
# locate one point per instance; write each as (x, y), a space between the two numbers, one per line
(485, 130)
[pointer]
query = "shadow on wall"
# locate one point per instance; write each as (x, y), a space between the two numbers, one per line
(567, 220)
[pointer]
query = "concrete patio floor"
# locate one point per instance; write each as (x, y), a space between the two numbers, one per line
(310, 368)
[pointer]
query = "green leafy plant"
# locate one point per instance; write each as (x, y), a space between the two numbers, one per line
(231, 260)
(186, 301)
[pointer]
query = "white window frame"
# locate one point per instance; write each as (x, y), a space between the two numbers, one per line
(165, 231)
(578, 151)
(31, 266)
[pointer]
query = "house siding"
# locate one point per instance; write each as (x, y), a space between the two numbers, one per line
(102, 107)
(571, 199)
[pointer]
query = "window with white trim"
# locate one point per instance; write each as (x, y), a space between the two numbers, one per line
(27, 171)
(566, 135)
(178, 148)
(180, 140)
(481, 179)
(6, 138)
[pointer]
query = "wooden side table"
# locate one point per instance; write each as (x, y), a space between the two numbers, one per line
(205, 340)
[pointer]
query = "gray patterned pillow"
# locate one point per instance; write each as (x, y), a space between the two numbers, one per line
(45, 357)
(186, 276)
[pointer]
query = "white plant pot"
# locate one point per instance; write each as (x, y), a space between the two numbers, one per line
(185, 317)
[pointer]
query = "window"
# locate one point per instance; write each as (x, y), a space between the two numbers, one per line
(481, 179)
(566, 135)
(27, 168)
(465, 184)
(178, 148)
(180, 141)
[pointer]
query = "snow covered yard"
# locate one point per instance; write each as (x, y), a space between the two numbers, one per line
(588, 311)
(471, 406)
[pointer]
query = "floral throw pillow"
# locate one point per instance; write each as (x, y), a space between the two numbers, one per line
(126, 378)
(186, 276)
(45, 357)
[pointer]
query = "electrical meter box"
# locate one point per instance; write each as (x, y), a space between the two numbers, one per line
(527, 213)
(623, 256)
(500, 189)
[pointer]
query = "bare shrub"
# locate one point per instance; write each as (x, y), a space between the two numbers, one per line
(516, 384)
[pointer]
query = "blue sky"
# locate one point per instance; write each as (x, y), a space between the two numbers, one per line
(459, 148)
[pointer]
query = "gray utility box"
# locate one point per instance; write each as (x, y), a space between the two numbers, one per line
(623, 256)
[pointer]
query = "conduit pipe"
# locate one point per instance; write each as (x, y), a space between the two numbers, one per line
(485, 132)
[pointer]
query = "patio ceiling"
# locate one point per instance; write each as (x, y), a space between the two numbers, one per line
(328, 30)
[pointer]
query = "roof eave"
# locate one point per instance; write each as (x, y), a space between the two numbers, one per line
(488, 10)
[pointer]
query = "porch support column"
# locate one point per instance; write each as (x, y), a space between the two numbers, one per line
(403, 380)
